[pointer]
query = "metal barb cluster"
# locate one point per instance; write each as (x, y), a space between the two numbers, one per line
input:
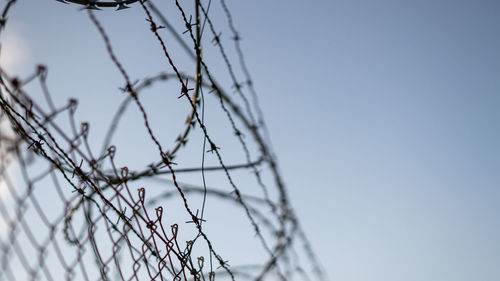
(96, 4)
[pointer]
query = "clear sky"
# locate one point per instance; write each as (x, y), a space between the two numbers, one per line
(384, 116)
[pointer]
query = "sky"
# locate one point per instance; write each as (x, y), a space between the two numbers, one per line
(383, 115)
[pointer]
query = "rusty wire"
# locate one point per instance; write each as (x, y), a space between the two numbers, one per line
(100, 222)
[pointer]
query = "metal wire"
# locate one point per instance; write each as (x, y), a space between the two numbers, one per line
(96, 4)
(69, 211)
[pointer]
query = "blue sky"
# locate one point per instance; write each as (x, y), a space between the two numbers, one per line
(384, 116)
(394, 104)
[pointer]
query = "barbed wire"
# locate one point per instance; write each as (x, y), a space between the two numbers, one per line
(68, 209)
(96, 4)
